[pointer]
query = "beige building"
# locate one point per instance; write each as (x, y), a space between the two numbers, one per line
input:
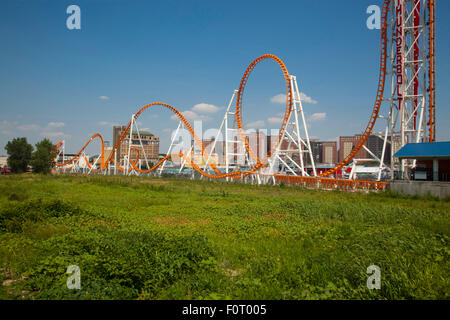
(149, 146)
(329, 152)
(3, 162)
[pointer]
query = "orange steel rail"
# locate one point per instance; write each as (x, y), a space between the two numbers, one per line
(291, 180)
(239, 103)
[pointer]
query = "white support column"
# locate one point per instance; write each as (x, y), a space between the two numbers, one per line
(223, 124)
(142, 145)
(383, 153)
(190, 156)
(115, 161)
(63, 156)
(305, 127)
(350, 177)
(292, 135)
(171, 146)
(95, 163)
(130, 132)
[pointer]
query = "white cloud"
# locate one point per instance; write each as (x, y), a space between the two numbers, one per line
(5, 132)
(28, 127)
(5, 127)
(10, 128)
(281, 98)
(104, 97)
(107, 124)
(191, 116)
(256, 124)
(320, 116)
(275, 120)
(307, 99)
(205, 107)
(51, 134)
(56, 124)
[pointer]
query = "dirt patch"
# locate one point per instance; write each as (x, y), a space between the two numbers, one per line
(277, 216)
(9, 282)
(154, 181)
(233, 273)
(180, 221)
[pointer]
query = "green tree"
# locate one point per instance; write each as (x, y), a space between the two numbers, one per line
(43, 157)
(19, 154)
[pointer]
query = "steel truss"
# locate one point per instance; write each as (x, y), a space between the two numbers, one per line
(295, 144)
(127, 159)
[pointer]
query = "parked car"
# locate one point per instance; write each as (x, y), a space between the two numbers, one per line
(5, 171)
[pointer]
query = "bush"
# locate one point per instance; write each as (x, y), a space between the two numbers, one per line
(13, 217)
(117, 264)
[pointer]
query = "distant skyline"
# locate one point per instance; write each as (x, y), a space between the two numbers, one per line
(70, 84)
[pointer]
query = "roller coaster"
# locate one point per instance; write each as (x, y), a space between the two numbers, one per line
(407, 64)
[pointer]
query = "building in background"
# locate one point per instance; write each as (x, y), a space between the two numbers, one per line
(236, 154)
(329, 152)
(3, 162)
(346, 145)
(108, 151)
(316, 148)
(375, 145)
(257, 142)
(324, 152)
(150, 145)
(272, 143)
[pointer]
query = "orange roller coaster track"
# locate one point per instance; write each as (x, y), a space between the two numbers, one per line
(104, 163)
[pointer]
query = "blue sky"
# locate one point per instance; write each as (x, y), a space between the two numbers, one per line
(70, 84)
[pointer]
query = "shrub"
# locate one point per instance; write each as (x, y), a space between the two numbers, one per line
(13, 217)
(117, 264)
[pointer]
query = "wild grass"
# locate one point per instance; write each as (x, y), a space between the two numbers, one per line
(150, 238)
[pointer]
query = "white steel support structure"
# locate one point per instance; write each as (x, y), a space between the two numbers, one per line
(173, 145)
(296, 144)
(372, 157)
(188, 156)
(63, 155)
(77, 167)
(134, 129)
(234, 154)
(224, 124)
(407, 80)
(235, 158)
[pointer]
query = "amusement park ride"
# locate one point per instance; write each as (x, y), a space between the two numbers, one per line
(407, 70)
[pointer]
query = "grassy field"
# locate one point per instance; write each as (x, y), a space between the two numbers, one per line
(147, 238)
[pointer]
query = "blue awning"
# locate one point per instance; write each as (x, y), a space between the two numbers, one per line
(424, 150)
